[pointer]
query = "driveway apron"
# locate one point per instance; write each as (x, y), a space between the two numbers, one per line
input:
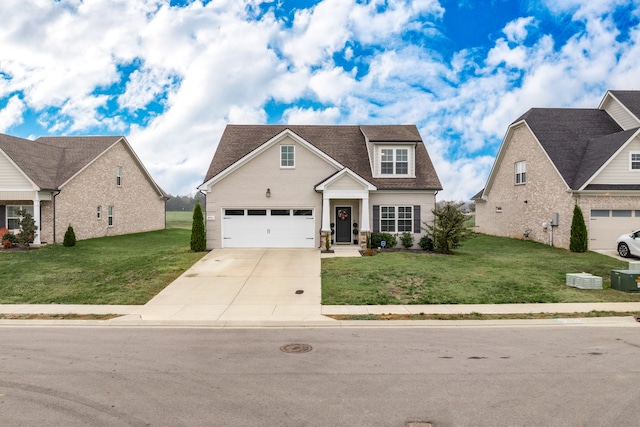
(244, 285)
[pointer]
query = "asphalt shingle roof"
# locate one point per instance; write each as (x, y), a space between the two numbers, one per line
(578, 141)
(50, 161)
(345, 144)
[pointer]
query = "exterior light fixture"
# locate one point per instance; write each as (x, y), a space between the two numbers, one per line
(268, 192)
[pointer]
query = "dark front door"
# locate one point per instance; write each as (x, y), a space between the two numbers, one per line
(343, 224)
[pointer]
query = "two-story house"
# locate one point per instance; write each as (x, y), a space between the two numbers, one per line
(96, 184)
(294, 185)
(554, 158)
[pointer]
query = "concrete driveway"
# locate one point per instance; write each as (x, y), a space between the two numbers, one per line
(236, 285)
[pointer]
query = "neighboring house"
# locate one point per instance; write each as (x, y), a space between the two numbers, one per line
(554, 158)
(96, 184)
(291, 186)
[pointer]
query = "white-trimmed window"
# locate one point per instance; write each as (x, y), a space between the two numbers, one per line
(99, 212)
(13, 219)
(118, 176)
(394, 161)
(521, 172)
(110, 216)
(396, 219)
(287, 156)
(634, 161)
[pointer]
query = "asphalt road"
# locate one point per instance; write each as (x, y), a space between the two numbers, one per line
(559, 376)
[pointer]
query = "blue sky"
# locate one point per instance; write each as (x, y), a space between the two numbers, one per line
(169, 75)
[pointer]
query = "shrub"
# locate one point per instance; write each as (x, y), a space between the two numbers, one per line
(449, 230)
(69, 237)
(10, 237)
(27, 228)
(407, 239)
(198, 236)
(578, 241)
(6, 244)
(369, 252)
(426, 243)
(389, 238)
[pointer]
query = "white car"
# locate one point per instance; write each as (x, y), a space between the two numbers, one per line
(629, 244)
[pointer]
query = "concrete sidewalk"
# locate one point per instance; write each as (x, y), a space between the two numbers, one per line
(174, 316)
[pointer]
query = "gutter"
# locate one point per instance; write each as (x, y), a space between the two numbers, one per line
(54, 216)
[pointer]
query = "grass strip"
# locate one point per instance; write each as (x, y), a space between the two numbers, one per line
(482, 316)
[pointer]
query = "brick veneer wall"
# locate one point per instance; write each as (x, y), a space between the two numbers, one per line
(526, 207)
(137, 205)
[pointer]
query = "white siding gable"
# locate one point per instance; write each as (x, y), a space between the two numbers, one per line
(617, 170)
(346, 182)
(12, 178)
(619, 113)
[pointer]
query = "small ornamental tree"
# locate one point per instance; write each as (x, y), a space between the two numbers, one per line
(27, 228)
(578, 241)
(198, 236)
(69, 237)
(449, 230)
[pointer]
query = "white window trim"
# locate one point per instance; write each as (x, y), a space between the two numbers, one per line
(410, 162)
(294, 156)
(118, 176)
(396, 218)
(631, 153)
(110, 216)
(19, 207)
(99, 212)
(522, 173)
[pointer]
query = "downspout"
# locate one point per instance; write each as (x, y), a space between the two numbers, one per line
(54, 216)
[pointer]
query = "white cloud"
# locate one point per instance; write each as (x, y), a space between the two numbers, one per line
(331, 85)
(11, 114)
(310, 116)
(516, 30)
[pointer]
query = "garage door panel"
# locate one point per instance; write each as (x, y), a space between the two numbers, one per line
(283, 229)
(607, 225)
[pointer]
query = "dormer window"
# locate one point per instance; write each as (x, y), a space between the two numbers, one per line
(394, 161)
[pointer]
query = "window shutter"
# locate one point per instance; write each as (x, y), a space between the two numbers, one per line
(416, 219)
(3, 217)
(376, 218)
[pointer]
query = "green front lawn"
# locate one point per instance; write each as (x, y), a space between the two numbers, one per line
(127, 269)
(485, 270)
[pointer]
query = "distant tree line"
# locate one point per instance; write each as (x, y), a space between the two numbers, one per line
(184, 203)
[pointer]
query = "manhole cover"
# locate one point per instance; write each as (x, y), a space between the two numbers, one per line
(299, 292)
(296, 348)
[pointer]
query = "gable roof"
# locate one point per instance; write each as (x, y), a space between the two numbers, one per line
(630, 99)
(51, 161)
(343, 143)
(577, 141)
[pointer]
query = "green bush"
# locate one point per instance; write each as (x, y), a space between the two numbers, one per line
(449, 230)
(69, 237)
(407, 239)
(426, 243)
(389, 238)
(198, 236)
(27, 228)
(578, 241)
(10, 237)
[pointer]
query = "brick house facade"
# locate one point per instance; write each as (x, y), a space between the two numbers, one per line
(552, 159)
(95, 184)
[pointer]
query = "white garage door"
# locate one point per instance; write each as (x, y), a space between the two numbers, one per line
(268, 228)
(607, 225)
